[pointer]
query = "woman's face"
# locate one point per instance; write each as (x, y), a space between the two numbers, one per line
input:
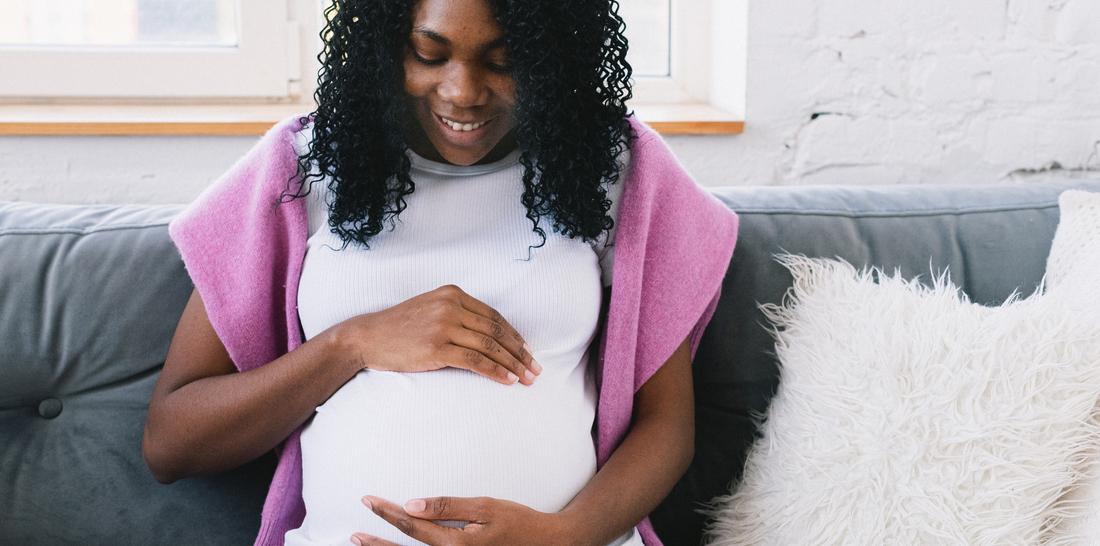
(457, 82)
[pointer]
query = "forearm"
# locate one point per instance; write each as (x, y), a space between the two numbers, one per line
(652, 457)
(221, 422)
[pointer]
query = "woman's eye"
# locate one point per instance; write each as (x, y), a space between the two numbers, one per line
(429, 62)
(495, 67)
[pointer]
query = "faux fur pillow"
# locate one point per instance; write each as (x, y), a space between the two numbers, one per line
(909, 415)
(1074, 257)
(1073, 264)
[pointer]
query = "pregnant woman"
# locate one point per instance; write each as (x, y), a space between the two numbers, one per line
(466, 374)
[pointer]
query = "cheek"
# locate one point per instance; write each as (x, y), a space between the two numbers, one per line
(416, 84)
(506, 90)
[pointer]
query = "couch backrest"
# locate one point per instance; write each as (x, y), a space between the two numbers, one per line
(90, 299)
(91, 296)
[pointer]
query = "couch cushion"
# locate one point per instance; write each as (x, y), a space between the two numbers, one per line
(91, 297)
(994, 239)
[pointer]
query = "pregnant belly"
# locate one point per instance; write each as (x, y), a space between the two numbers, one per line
(446, 432)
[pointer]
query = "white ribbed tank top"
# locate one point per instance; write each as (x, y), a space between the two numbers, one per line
(450, 431)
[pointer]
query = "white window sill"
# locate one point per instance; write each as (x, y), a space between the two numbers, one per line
(254, 120)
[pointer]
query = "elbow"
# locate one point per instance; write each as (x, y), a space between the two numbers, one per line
(685, 441)
(686, 454)
(156, 459)
(688, 458)
(677, 436)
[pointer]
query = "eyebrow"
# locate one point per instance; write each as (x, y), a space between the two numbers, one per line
(437, 37)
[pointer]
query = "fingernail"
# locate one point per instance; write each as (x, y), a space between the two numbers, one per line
(534, 363)
(355, 540)
(366, 501)
(415, 505)
(512, 377)
(530, 376)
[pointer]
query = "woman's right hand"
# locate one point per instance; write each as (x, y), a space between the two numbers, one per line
(440, 328)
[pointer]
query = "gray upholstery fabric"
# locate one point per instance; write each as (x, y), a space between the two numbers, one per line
(91, 296)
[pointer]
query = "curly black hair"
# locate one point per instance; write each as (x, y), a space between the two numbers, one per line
(568, 59)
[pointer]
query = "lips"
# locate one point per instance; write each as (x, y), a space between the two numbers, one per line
(459, 125)
(462, 136)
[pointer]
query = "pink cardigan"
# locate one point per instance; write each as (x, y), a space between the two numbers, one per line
(244, 254)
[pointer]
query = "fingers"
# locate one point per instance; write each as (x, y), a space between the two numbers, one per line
(418, 528)
(486, 336)
(471, 509)
(363, 539)
(491, 323)
(483, 341)
(475, 361)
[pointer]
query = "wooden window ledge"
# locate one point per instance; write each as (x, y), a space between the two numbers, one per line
(254, 120)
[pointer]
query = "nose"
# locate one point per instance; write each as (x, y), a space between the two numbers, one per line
(463, 86)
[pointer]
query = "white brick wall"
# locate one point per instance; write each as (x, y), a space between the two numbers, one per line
(901, 91)
(839, 92)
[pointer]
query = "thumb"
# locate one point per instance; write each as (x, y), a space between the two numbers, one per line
(472, 509)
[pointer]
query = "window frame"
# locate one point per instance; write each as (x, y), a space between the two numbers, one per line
(263, 65)
(705, 93)
(697, 74)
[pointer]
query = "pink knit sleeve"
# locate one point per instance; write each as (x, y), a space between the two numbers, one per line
(672, 254)
(688, 247)
(236, 242)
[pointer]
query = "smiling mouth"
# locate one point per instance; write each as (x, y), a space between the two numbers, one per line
(462, 127)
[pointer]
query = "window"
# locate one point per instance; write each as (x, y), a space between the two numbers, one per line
(688, 51)
(648, 24)
(235, 66)
(146, 48)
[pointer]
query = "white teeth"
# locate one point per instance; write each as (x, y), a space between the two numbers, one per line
(462, 126)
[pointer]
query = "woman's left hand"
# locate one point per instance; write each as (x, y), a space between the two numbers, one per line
(491, 522)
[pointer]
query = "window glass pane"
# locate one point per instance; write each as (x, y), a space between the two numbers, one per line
(118, 23)
(647, 28)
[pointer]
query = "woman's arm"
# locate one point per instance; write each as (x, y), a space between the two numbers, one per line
(655, 453)
(205, 417)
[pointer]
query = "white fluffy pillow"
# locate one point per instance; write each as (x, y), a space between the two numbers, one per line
(909, 415)
(1072, 265)
(1074, 257)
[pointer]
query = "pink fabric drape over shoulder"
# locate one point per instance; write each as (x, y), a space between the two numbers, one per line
(244, 252)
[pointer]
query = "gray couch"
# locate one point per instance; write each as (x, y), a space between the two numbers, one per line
(91, 295)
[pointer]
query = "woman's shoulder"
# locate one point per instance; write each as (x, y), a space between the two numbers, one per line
(645, 133)
(303, 135)
(652, 161)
